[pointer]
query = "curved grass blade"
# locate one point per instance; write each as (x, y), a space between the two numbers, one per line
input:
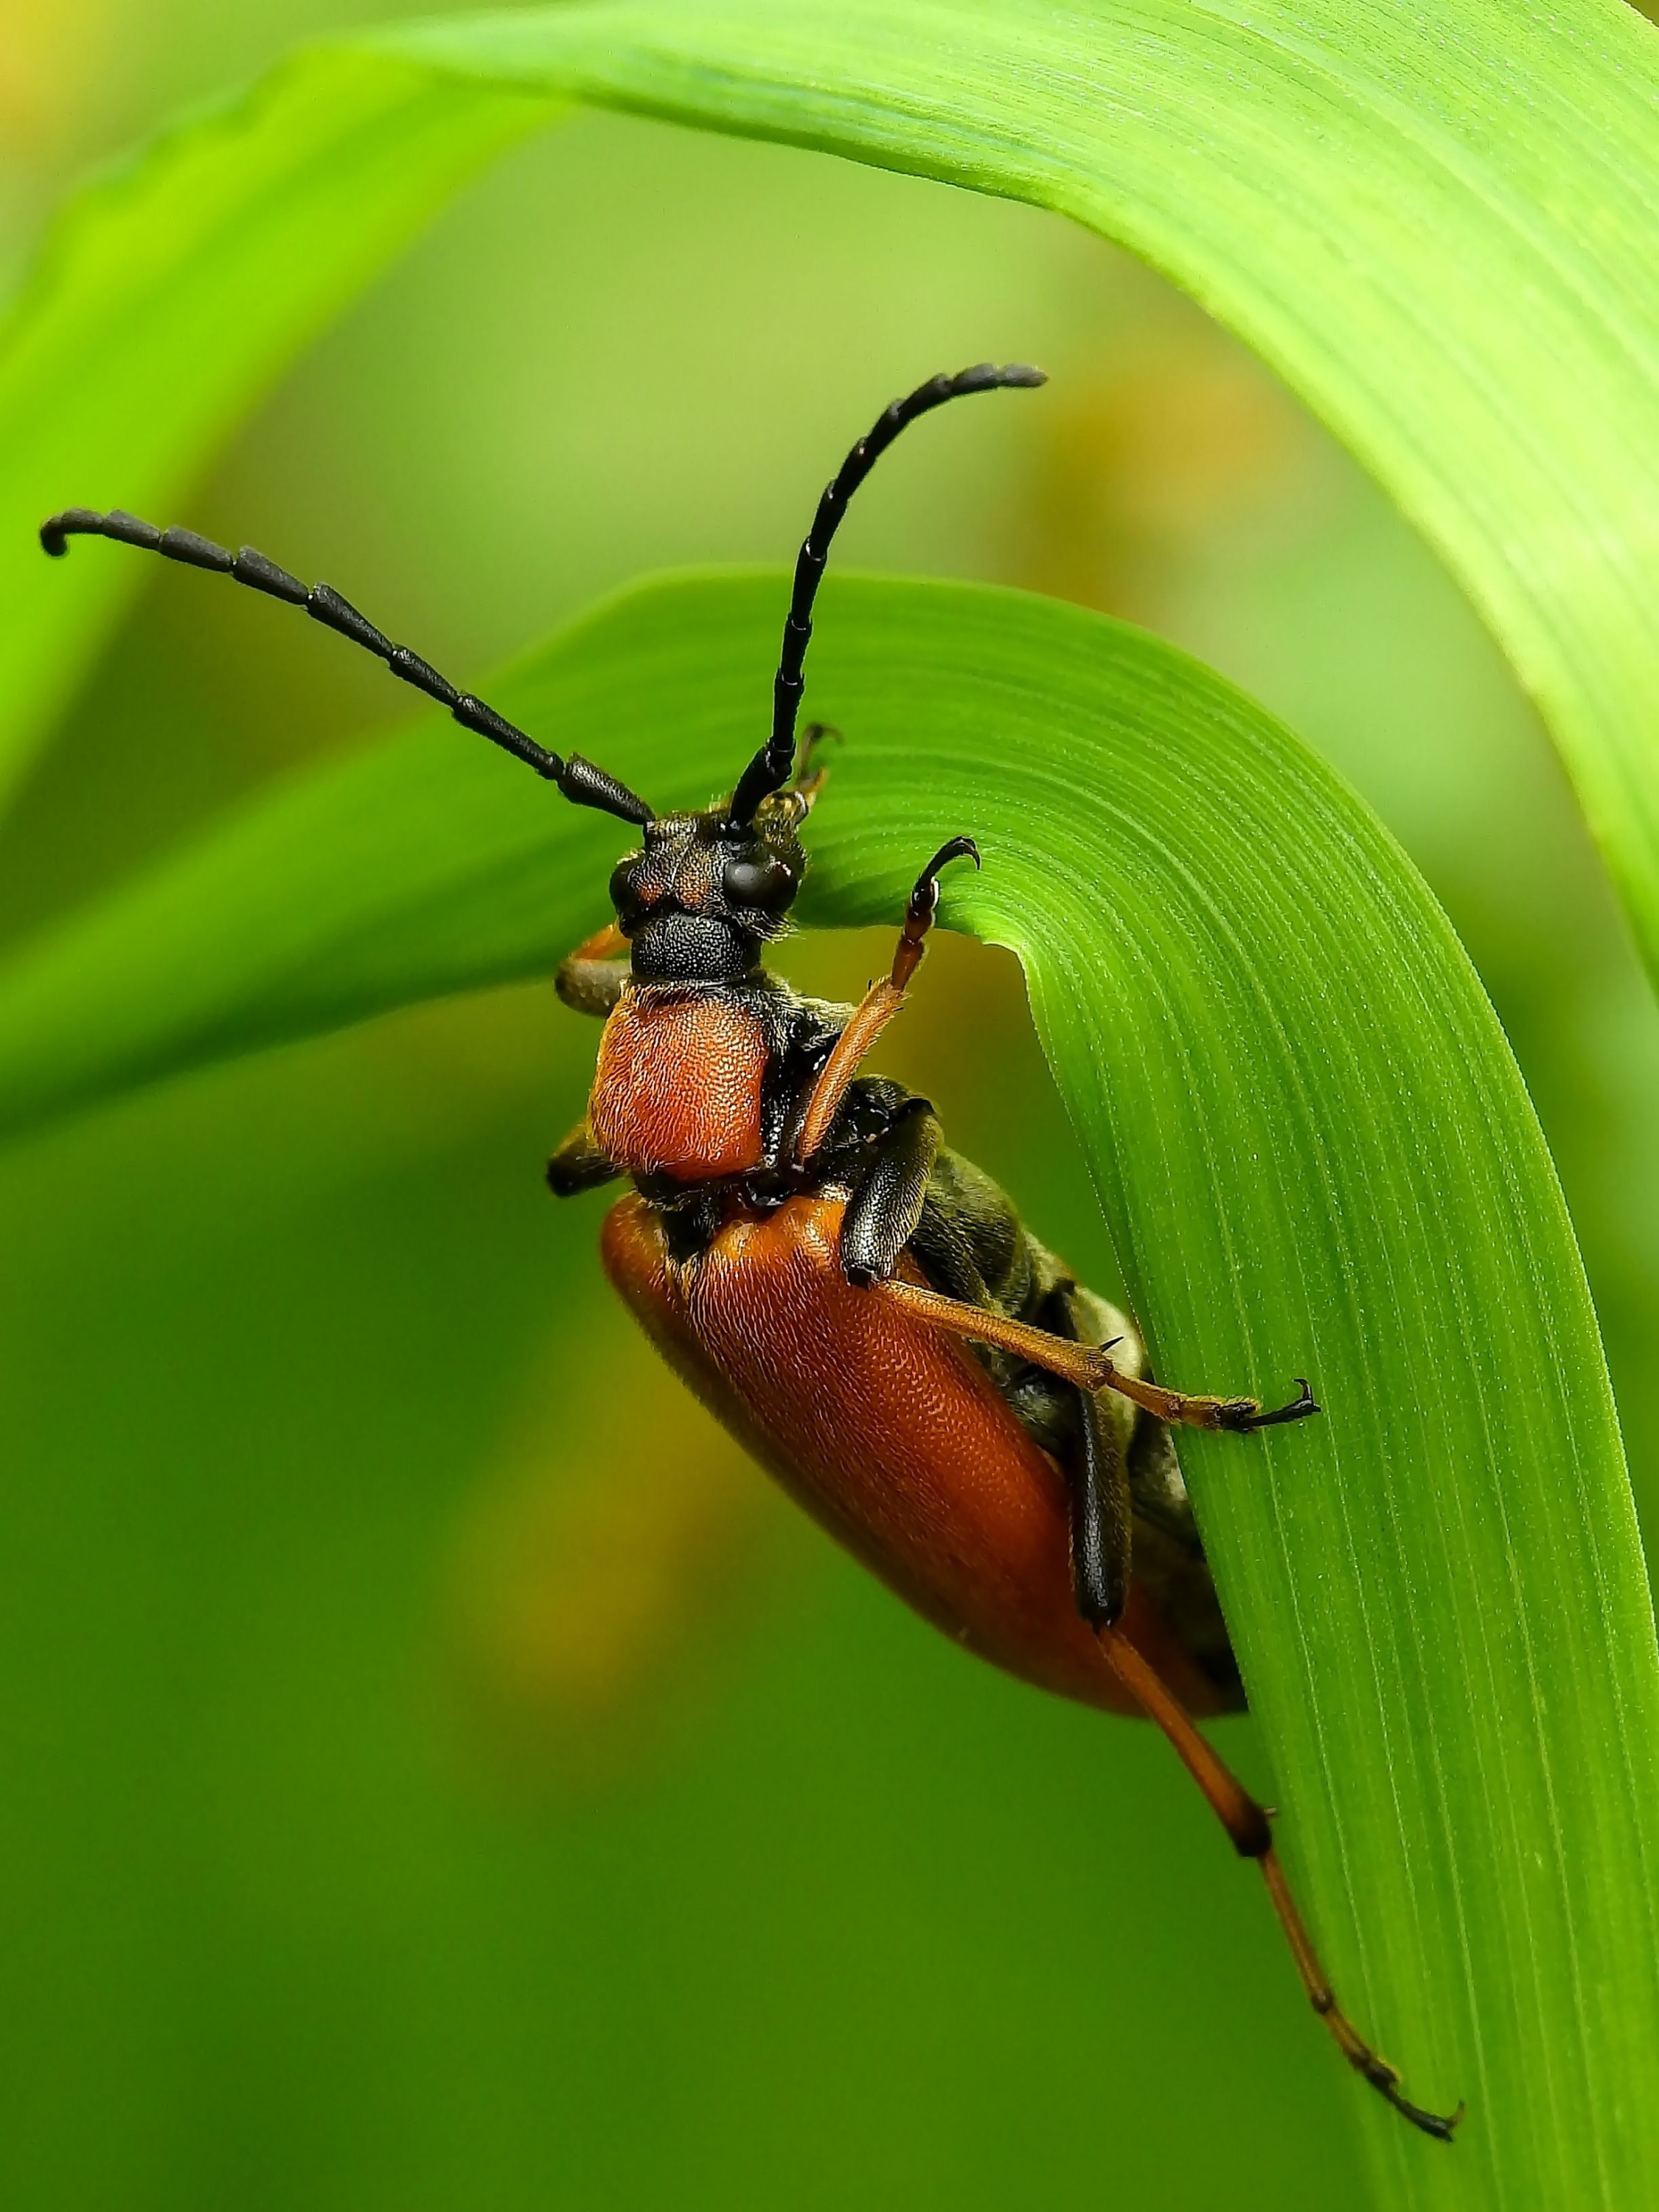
(170, 295)
(1315, 1154)
(1438, 226)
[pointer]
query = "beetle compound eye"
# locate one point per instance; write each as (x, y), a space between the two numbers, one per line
(759, 879)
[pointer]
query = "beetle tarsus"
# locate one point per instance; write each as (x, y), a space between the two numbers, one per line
(1385, 2080)
(1299, 1409)
(1242, 1417)
(1366, 2063)
(955, 848)
(1443, 2126)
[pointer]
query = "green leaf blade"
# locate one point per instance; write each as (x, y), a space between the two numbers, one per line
(1438, 231)
(1316, 1156)
(170, 295)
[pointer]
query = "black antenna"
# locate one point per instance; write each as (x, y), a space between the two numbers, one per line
(773, 765)
(578, 779)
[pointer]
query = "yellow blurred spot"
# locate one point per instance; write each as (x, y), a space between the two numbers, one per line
(54, 58)
(1144, 467)
(600, 1557)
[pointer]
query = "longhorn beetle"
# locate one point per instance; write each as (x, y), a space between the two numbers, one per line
(860, 1305)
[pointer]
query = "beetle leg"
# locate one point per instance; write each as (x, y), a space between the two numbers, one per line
(852, 1048)
(879, 1004)
(1240, 1415)
(579, 1165)
(1089, 1366)
(1097, 1477)
(592, 978)
(883, 1213)
(798, 801)
(1246, 1823)
(809, 781)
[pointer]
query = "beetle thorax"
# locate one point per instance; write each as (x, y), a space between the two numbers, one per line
(677, 1090)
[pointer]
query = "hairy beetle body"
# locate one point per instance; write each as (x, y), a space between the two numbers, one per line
(897, 1440)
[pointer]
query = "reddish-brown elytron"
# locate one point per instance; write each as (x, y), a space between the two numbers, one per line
(861, 1306)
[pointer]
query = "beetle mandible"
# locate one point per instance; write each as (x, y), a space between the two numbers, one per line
(861, 1306)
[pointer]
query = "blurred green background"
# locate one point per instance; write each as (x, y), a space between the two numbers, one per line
(438, 1771)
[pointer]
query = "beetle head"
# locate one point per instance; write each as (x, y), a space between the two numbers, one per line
(703, 893)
